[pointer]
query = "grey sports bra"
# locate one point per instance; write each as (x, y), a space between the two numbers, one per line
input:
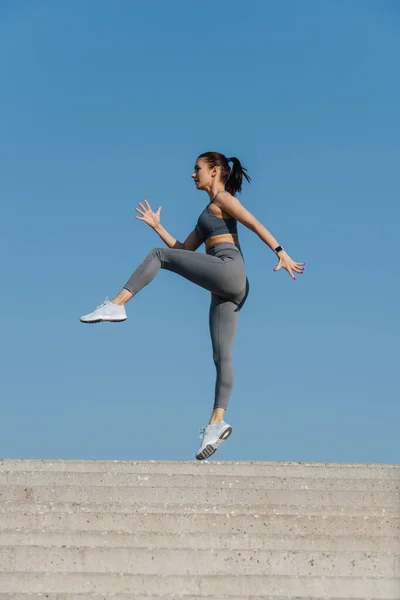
(209, 224)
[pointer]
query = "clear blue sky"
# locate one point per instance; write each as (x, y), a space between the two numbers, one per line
(104, 104)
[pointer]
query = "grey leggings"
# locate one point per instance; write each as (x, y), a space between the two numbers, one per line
(222, 272)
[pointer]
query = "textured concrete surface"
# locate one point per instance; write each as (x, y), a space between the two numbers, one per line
(130, 596)
(74, 530)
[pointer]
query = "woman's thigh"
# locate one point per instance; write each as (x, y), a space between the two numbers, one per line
(224, 277)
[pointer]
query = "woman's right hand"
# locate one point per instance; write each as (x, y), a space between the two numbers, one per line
(148, 216)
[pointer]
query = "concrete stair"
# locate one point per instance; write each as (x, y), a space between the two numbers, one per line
(74, 530)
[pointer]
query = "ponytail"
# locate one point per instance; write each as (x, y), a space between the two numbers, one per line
(233, 184)
(233, 177)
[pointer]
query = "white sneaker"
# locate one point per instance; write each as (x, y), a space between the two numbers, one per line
(106, 312)
(212, 436)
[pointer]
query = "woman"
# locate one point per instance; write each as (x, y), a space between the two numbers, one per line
(220, 270)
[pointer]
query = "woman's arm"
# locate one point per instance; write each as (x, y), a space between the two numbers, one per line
(152, 219)
(192, 242)
(233, 207)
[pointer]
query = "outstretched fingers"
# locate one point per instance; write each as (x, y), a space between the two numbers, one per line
(140, 213)
(297, 268)
(290, 266)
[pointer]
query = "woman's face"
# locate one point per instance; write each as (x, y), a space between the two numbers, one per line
(203, 175)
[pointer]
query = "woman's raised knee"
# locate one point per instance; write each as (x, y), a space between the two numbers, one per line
(156, 252)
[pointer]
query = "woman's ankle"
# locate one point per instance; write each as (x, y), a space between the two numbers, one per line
(122, 298)
(217, 416)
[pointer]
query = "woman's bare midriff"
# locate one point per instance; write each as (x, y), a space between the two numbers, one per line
(230, 238)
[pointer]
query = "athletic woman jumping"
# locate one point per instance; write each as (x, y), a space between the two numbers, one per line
(220, 270)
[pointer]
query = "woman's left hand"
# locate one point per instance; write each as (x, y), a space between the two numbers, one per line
(287, 263)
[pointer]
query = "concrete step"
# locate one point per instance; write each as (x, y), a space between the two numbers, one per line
(199, 480)
(197, 508)
(223, 468)
(204, 523)
(260, 586)
(204, 541)
(99, 493)
(163, 597)
(195, 562)
(168, 529)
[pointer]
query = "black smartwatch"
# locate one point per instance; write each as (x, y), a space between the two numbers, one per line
(278, 249)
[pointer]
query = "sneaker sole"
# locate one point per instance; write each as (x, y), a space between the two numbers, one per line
(211, 448)
(109, 320)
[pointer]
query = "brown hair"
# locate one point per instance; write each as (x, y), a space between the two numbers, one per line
(233, 177)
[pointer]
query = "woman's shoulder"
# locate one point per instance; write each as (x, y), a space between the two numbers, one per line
(223, 197)
(222, 201)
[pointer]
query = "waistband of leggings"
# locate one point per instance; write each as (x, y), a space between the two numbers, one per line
(222, 246)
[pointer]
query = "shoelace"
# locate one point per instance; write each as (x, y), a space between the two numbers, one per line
(203, 431)
(101, 305)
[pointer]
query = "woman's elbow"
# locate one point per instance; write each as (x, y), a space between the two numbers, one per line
(178, 246)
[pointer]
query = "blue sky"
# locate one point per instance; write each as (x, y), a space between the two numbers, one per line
(104, 104)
